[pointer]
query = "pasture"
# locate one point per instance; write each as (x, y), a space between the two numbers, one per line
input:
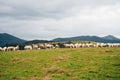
(61, 64)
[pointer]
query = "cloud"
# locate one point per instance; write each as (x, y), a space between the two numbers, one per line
(44, 19)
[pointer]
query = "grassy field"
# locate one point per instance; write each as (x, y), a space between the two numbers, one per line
(61, 64)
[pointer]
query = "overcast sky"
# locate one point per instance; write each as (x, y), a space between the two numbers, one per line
(48, 19)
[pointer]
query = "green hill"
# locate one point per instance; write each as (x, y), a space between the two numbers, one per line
(6, 39)
(111, 39)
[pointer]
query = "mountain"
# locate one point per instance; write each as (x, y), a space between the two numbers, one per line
(36, 41)
(107, 39)
(6, 39)
(110, 37)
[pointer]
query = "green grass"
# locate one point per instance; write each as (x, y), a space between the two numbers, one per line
(61, 64)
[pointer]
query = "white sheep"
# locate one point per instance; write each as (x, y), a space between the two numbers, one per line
(35, 46)
(1, 49)
(49, 46)
(28, 47)
(12, 48)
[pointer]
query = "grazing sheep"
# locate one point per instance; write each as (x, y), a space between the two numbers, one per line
(76, 45)
(67, 45)
(28, 47)
(35, 47)
(1, 49)
(57, 46)
(49, 46)
(16, 48)
(4, 49)
(10, 48)
(41, 46)
(83, 45)
(72, 45)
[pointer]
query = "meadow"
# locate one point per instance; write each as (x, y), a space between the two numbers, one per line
(61, 64)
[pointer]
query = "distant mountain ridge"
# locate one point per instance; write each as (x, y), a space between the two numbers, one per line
(6, 39)
(106, 39)
(110, 37)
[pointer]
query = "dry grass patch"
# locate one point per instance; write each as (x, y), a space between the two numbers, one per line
(34, 78)
(16, 59)
(60, 58)
(53, 69)
(48, 77)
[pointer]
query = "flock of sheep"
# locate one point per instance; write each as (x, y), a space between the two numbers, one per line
(71, 45)
(64, 45)
(10, 48)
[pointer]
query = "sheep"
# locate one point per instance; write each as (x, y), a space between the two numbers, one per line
(1, 49)
(77, 45)
(83, 45)
(4, 49)
(98, 45)
(57, 46)
(28, 47)
(72, 45)
(118, 44)
(67, 45)
(49, 46)
(16, 48)
(35, 47)
(41, 46)
(80, 45)
(10, 48)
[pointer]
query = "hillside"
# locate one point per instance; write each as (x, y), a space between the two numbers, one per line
(6, 39)
(110, 37)
(36, 41)
(107, 39)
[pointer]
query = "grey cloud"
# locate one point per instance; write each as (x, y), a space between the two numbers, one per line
(48, 19)
(36, 8)
(47, 9)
